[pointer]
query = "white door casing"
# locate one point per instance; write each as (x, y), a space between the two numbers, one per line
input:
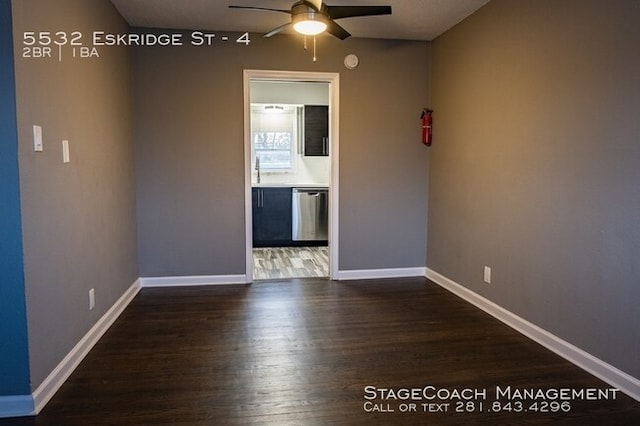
(333, 79)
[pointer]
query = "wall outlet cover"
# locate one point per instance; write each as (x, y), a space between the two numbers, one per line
(487, 275)
(92, 299)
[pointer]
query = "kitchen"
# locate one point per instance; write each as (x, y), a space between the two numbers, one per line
(290, 175)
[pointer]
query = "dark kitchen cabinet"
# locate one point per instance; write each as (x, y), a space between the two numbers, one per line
(316, 130)
(271, 209)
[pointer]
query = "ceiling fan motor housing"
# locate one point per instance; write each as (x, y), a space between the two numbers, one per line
(303, 10)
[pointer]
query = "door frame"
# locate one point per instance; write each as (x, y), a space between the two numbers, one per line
(333, 79)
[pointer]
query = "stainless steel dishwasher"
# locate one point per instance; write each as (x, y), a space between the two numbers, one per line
(310, 214)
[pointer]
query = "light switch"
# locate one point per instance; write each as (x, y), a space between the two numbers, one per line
(37, 138)
(65, 151)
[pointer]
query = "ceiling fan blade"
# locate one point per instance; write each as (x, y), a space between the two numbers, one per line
(261, 8)
(278, 29)
(337, 30)
(338, 12)
(317, 4)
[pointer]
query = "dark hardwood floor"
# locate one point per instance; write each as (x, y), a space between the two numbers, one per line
(302, 352)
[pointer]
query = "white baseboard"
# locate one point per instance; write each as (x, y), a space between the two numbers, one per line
(193, 280)
(61, 373)
(606, 372)
(367, 274)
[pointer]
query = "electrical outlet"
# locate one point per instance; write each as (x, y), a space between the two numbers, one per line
(487, 275)
(92, 299)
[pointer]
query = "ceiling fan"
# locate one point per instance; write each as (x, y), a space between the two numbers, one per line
(312, 17)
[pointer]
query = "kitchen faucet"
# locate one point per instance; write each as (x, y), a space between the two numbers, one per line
(258, 168)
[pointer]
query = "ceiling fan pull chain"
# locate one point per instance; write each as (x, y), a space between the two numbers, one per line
(305, 42)
(314, 49)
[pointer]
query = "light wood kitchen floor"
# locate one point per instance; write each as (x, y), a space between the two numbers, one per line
(290, 262)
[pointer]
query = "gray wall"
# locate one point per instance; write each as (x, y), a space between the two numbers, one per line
(78, 218)
(535, 167)
(189, 151)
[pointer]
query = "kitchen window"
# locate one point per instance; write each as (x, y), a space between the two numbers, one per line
(274, 136)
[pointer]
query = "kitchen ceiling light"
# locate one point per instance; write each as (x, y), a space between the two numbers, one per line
(274, 108)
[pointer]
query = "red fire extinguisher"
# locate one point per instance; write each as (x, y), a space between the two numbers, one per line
(427, 126)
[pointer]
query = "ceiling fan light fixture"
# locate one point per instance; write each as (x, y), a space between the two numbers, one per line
(309, 24)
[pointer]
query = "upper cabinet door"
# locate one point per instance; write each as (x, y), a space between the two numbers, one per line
(316, 130)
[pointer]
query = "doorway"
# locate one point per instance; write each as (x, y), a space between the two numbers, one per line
(268, 178)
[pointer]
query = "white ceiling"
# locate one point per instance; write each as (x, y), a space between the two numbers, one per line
(411, 19)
